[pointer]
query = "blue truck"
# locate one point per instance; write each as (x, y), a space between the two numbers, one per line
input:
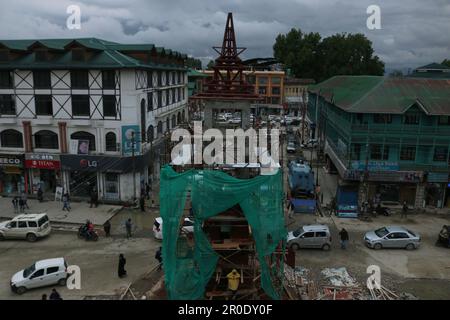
(347, 202)
(301, 187)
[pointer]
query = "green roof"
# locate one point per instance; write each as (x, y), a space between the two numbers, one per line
(195, 73)
(435, 66)
(374, 94)
(106, 55)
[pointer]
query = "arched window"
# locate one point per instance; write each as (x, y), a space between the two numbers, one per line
(111, 141)
(183, 116)
(11, 139)
(179, 117)
(160, 127)
(167, 124)
(82, 135)
(150, 134)
(46, 139)
(174, 121)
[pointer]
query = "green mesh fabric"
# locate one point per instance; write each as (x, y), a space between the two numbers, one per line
(188, 270)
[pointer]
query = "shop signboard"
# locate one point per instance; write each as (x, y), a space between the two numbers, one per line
(127, 140)
(375, 165)
(437, 177)
(42, 161)
(8, 160)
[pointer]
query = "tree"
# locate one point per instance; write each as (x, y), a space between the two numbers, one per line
(193, 63)
(210, 64)
(446, 62)
(310, 56)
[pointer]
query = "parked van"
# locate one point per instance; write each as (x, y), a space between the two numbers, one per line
(26, 226)
(40, 274)
(310, 236)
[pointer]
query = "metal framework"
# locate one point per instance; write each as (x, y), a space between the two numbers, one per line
(228, 82)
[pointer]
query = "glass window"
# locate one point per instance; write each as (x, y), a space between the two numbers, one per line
(150, 134)
(108, 79)
(23, 224)
(13, 224)
(82, 135)
(80, 105)
(408, 153)
(276, 80)
(79, 79)
(412, 118)
(378, 152)
(276, 90)
(159, 99)
(109, 106)
(440, 154)
(52, 270)
(11, 139)
(356, 151)
(321, 234)
(159, 78)
(41, 79)
(111, 141)
(150, 101)
(32, 224)
(6, 80)
(263, 80)
(149, 79)
(42, 220)
(38, 273)
(43, 104)
(308, 235)
(251, 79)
(262, 90)
(46, 139)
(167, 97)
(7, 104)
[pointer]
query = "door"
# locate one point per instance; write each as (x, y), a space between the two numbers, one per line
(53, 274)
(36, 280)
(320, 239)
(306, 240)
(22, 229)
(401, 239)
(12, 231)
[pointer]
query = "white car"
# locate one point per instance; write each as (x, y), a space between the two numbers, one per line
(26, 226)
(291, 147)
(42, 273)
(234, 121)
(188, 227)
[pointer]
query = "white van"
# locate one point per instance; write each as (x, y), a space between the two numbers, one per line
(26, 226)
(40, 274)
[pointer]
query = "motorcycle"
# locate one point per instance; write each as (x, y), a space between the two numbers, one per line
(88, 236)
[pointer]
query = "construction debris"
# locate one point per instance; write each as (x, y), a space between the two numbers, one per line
(333, 284)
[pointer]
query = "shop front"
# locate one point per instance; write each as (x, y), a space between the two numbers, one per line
(437, 183)
(12, 174)
(44, 171)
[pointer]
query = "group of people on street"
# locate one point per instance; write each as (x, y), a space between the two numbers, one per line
(121, 272)
(53, 296)
(20, 203)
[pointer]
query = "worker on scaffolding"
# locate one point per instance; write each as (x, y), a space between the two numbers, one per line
(233, 282)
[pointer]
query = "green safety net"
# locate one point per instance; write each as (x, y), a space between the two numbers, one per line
(188, 270)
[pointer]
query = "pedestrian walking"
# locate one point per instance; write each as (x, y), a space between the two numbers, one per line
(158, 256)
(40, 194)
(55, 295)
(121, 270)
(404, 210)
(24, 198)
(344, 238)
(128, 226)
(142, 203)
(94, 198)
(107, 228)
(21, 206)
(66, 202)
(147, 190)
(15, 203)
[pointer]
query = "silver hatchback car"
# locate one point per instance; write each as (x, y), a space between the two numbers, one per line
(392, 237)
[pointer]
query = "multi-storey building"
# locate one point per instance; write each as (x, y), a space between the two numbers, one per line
(295, 90)
(84, 113)
(389, 135)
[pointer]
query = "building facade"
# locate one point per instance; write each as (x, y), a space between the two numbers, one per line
(85, 113)
(390, 136)
(295, 90)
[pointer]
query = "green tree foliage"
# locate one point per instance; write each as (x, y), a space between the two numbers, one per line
(310, 56)
(210, 64)
(193, 63)
(446, 62)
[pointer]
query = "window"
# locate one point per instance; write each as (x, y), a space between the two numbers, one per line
(412, 118)
(32, 224)
(11, 139)
(13, 224)
(308, 235)
(82, 135)
(173, 95)
(440, 154)
(150, 134)
(111, 141)
(52, 270)
(377, 152)
(38, 273)
(159, 78)
(262, 90)
(160, 128)
(46, 139)
(23, 224)
(80, 106)
(43, 104)
(174, 81)
(42, 221)
(276, 80)
(382, 118)
(167, 78)
(108, 79)
(167, 124)
(174, 121)
(79, 79)
(109, 106)
(41, 79)
(159, 99)
(442, 120)
(41, 55)
(167, 97)
(150, 101)
(276, 90)
(356, 151)
(408, 153)
(6, 80)
(321, 234)
(7, 105)
(275, 100)
(179, 77)
(149, 79)
(262, 80)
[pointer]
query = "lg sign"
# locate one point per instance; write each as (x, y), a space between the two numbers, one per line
(88, 164)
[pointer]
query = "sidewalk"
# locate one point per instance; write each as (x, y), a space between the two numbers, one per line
(78, 215)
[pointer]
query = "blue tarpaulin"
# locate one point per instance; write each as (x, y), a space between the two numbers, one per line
(304, 206)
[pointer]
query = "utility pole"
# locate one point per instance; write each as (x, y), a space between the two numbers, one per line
(133, 143)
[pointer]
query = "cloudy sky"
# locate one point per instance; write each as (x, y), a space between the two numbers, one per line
(414, 32)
